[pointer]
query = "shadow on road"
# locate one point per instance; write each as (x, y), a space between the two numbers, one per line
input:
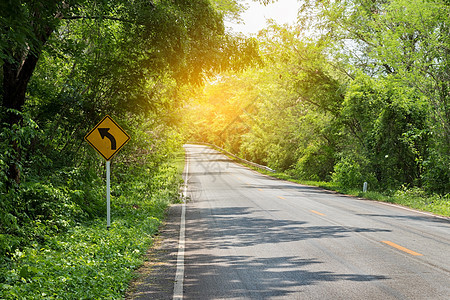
(241, 227)
(264, 277)
(251, 277)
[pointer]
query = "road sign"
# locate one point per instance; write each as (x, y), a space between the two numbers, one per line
(107, 138)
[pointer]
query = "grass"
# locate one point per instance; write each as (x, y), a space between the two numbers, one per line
(89, 261)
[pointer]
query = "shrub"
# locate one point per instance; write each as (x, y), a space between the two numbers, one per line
(347, 173)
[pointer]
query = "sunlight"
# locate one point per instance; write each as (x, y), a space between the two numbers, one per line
(256, 16)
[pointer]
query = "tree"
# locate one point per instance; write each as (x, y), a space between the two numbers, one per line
(401, 42)
(153, 40)
(279, 113)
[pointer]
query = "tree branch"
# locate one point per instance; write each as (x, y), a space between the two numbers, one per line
(97, 18)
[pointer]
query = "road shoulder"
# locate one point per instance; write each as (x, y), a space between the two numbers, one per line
(155, 278)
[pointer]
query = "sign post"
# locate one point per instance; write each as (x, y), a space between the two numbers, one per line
(107, 137)
(108, 194)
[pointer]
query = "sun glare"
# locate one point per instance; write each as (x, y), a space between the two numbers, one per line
(256, 16)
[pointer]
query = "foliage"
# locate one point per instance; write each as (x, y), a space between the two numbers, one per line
(87, 261)
(88, 58)
(403, 46)
(387, 125)
(280, 114)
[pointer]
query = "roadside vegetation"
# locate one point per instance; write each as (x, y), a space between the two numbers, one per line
(85, 260)
(415, 198)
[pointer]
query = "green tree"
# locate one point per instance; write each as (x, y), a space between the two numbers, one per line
(386, 133)
(281, 112)
(128, 59)
(404, 45)
(110, 53)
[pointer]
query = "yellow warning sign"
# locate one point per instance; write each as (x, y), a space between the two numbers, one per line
(107, 137)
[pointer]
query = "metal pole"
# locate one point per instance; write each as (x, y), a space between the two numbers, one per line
(108, 206)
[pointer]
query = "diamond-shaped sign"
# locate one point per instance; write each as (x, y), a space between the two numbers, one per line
(107, 137)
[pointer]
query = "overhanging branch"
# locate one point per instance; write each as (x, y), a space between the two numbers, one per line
(97, 18)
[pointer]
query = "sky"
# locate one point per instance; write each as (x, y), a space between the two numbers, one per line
(282, 11)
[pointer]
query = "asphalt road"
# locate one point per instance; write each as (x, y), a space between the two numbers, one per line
(248, 236)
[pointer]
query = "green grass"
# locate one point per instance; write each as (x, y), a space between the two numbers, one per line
(88, 261)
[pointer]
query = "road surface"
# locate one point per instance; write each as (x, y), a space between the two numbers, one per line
(248, 236)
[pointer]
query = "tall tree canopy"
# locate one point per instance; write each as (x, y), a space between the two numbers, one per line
(106, 55)
(64, 65)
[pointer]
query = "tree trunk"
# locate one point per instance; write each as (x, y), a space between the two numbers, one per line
(17, 73)
(15, 81)
(16, 77)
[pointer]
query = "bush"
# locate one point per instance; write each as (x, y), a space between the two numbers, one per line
(315, 164)
(347, 173)
(87, 261)
(437, 173)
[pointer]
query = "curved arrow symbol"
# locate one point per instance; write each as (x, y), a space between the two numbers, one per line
(104, 132)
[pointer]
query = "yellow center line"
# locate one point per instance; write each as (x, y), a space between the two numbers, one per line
(282, 198)
(316, 212)
(260, 190)
(402, 248)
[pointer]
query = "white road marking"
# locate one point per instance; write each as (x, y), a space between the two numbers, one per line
(179, 276)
